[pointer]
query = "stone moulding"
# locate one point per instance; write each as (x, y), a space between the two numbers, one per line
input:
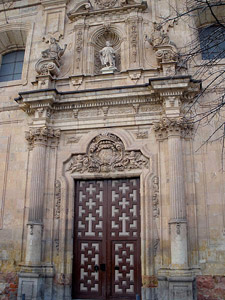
(106, 153)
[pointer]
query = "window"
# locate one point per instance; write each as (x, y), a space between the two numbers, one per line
(212, 42)
(11, 66)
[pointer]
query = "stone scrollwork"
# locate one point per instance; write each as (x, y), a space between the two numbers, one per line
(176, 126)
(49, 63)
(106, 153)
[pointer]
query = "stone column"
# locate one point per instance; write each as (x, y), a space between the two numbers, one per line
(178, 223)
(37, 139)
(173, 129)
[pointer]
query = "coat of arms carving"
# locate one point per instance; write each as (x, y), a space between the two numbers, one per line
(106, 153)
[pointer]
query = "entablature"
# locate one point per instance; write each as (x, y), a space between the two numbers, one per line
(161, 95)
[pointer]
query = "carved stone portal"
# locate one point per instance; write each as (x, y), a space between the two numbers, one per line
(106, 153)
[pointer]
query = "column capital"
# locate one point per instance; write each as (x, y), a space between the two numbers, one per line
(41, 136)
(167, 127)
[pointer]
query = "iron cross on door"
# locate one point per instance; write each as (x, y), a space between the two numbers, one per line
(107, 239)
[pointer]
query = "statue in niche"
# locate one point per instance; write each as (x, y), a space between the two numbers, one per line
(108, 59)
(54, 51)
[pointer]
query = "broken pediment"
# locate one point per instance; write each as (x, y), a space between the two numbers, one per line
(100, 6)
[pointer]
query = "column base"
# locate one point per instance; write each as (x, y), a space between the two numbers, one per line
(35, 282)
(176, 284)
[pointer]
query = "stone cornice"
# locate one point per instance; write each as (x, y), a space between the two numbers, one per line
(182, 86)
(49, 3)
(52, 100)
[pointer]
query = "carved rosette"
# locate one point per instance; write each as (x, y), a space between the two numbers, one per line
(106, 153)
(170, 126)
(41, 135)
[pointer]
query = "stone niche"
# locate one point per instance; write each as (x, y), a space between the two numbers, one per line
(95, 22)
(99, 42)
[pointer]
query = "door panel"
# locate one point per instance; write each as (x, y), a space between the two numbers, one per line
(107, 239)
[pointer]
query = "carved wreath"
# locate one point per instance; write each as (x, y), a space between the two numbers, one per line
(106, 153)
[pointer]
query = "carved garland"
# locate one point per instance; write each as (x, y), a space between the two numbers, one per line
(155, 211)
(134, 40)
(79, 48)
(57, 198)
(106, 153)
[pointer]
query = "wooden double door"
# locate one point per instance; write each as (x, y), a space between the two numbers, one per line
(107, 239)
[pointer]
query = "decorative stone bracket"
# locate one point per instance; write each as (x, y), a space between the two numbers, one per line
(47, 66)
(167, 57)
(106, 153)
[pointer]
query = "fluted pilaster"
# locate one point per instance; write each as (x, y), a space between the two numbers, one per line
(38, 139)
(37, 184)
(176, 172)
(174, 130)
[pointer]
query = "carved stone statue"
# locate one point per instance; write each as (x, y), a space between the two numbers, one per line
(159, 36)
(108, 59)
(54, 50)
(165, 50)
(49, 63)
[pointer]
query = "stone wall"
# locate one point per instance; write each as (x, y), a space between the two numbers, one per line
(8, 285)
(210, 287)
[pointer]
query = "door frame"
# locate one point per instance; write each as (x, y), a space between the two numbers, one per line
(149, 233)
(108, 246)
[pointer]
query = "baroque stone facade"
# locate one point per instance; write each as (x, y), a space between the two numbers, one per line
(84, 112)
